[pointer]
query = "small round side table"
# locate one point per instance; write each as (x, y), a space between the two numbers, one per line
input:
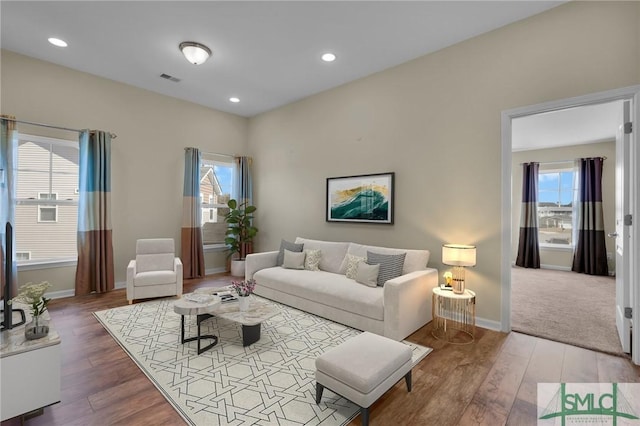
(454, 316)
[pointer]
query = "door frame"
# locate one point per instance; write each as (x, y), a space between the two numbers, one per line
(625, 93)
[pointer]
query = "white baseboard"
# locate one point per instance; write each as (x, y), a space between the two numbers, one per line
(215, 270)
(120, 285)
(61, 294)
(490, 324)
(556, 267)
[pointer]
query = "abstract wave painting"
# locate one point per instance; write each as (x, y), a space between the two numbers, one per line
(364, 198)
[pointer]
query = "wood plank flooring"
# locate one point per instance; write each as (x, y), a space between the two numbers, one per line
(490, 382)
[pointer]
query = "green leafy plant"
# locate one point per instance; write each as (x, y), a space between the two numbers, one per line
(240, 233)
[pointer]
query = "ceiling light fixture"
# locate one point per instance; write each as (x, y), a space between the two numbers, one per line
(328, 57)
(195, 53)
(234, 100)
(57, 42)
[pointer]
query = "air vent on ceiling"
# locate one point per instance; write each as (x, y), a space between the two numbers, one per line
(170, 78)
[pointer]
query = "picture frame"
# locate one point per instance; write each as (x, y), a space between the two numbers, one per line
(361, 198)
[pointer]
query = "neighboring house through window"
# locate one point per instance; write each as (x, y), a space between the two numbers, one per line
(46, 214)
(556, 190)
(216, 183)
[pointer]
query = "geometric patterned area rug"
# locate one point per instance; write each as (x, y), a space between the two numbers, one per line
(271, 382)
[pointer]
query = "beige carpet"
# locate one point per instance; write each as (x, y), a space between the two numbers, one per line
(568, 307)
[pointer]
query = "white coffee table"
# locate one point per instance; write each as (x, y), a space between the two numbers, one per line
(250, 319)
(202, 310)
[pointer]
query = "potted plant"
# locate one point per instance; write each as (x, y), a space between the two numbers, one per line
(240, 234)
(32, 295)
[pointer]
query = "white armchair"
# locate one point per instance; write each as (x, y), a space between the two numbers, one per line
(155, 272)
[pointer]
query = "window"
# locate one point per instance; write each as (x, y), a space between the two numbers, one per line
(216, 183)
(46, 214)
(555, 207)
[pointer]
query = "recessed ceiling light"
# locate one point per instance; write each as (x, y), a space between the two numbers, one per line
(57, 42)
(234, 100)
(328, 57)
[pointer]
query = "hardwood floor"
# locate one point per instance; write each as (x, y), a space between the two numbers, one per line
(490, 382)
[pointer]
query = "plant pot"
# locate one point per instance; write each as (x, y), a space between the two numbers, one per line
(243, 303)
(237, 268)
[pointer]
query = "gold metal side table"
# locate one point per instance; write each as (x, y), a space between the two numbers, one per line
(454, 316)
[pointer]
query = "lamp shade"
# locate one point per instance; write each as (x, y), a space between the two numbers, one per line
(458, 255)
(195, 53)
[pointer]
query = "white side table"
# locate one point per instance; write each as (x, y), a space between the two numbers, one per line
(202, 310)
(454, 316)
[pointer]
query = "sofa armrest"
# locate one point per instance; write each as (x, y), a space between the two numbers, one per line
(256, 261)
(131, 273)
(407, 302)
(177, 268)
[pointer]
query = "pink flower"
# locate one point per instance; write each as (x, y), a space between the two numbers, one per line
(244, 288)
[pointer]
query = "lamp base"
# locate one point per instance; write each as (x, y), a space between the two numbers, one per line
(458, 279)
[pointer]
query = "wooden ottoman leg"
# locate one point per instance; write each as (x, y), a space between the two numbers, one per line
(319, 389)
(407, 378)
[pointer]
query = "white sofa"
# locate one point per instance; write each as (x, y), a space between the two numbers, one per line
(395, 310)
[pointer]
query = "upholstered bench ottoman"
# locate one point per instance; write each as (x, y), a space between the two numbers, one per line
(362, 369)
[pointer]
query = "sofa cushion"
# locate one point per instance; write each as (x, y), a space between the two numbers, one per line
(325, 288)
(154, 262)
(416, 260)
(287, 245)
(367, 274)
(312, 260)
(293, 260)
(351, 268)
(390, 265)
(154, 278)
(332, 253)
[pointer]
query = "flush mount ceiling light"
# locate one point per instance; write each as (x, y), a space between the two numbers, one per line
(328, 57)
(234, 100)
(195, 53)
(57, 42)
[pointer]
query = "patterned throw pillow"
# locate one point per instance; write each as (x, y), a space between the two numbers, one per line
(287, 245)
(312, 259)
(352, 265)
(390, 265)
(293, 260)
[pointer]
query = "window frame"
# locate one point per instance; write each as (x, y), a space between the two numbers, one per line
(54, 262)
(559, 169)
(47, 206)
(222, 160)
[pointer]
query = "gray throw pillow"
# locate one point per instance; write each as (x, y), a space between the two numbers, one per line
(293, 260)
(390, 265)
(367, 274)
(287, 245)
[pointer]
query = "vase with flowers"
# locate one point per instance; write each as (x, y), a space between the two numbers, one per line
(243, 289)
(32, 295)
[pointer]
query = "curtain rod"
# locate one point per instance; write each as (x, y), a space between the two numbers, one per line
(559, 162)
(212, 153)
(50, 126)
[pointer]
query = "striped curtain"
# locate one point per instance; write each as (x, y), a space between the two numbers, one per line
(8, 160)
(192, 251)
(243, 191)
(528, 248)
(590, 255)
(95, 240)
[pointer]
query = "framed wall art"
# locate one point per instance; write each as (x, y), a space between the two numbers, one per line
(362, 198)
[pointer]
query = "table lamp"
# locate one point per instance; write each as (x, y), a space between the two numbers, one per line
(458, 256)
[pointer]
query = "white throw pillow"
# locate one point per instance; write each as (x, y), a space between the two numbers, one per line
(312, 259)
(367, 274)
(293, 260)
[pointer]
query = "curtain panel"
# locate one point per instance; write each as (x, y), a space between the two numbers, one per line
(95, 271)
(590, 255)
(8, 162)
(191, 238)
(244, 192)
(528, 247)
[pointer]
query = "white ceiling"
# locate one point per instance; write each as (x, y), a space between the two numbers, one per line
(572, 126)
(266, 53)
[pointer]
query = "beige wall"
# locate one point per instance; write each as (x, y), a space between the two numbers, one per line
(147, 156)
(435, 121)
(562, 258)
